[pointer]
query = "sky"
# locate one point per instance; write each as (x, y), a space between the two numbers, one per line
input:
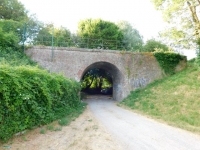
(141, 14)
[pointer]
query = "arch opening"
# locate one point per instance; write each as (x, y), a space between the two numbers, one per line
(97, 81)
(102, 78)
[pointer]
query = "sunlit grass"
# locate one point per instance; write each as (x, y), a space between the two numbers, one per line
(175, 99)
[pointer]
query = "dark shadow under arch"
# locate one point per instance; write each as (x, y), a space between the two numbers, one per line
(114, 73)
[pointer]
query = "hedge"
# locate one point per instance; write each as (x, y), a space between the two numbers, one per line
(31, 97)
(168, 60)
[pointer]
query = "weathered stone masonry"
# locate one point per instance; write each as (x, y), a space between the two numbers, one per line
(129, 70)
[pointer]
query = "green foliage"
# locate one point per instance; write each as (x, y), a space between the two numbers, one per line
(8, 39)
(177, 38)
(58, 129)
(50, 127)
(42, 131)
(61, 36)
(63, 122)
(132, 40)
(11, 26)
(198, 58)
(97, 30)
(12, 9)
(14, 58)
(168, 60)
(152, 45)
(30, 30)
(174, 99)
(10, 33)
(14, 33)
(183, 19)
(30, 96)
(44, 36)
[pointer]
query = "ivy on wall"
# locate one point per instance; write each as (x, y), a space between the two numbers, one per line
(168, 60)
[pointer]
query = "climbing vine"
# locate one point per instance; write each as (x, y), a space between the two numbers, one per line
(168, 60)
(31, 97)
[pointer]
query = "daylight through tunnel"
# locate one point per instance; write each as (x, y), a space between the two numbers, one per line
(101, 78)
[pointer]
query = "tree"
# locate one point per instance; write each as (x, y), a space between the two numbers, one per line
(31, 28)
(152, 45)
(12, 9)
(10, 35)
(61, 36)
(13, 14)
(183, 18)
(98, 33)
(8, 39)
(44, 36)
(131, 37)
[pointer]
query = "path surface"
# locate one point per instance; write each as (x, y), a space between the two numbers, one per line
(85, 133)
(105, 126)
(134, 131)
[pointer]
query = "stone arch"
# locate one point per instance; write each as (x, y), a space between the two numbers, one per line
(117, 76)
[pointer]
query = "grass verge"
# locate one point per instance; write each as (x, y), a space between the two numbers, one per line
(175, 99)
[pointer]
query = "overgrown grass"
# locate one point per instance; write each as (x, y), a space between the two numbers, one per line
(14, 57)
(175, 99)
(71, 117)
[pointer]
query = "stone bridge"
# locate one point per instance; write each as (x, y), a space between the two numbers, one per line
(129, 70)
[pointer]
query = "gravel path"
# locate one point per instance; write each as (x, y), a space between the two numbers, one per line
(134, 131)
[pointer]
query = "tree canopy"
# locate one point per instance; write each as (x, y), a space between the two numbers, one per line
(10, 33)
(13, 9)
(61, 36)
(16, 26)
(131, 37)
(102, 34)
(151, 46)
(183, 17)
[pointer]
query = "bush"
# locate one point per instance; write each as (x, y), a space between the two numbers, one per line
(14, 58)
(10, 33)
(30, 97)
(152, 45)
(8, 39)
(168, 60)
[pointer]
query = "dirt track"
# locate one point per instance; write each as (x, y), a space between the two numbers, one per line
(105, 126)
(85, 133)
